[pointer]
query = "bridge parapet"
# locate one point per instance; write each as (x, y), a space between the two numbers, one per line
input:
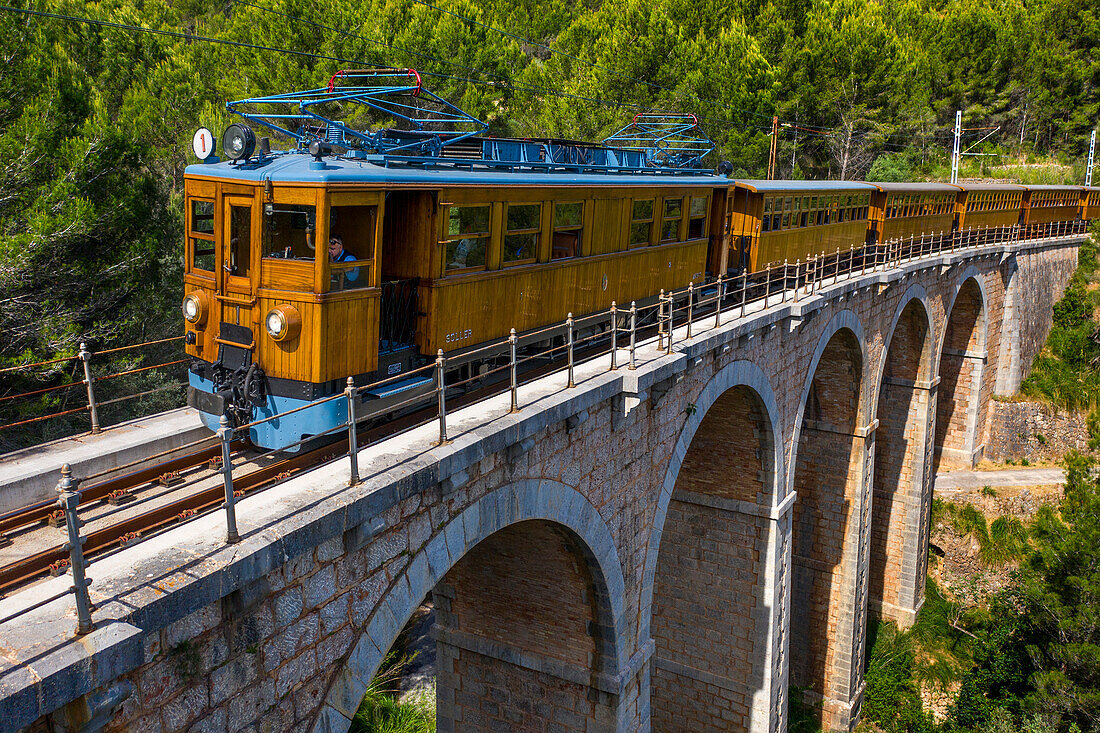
(288, 625)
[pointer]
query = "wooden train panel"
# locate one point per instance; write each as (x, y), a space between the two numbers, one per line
(465, 311)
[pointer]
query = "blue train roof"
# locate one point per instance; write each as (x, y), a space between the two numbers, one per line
(780, 185)
(435, 172)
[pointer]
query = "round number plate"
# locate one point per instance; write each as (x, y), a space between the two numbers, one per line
(203, 143)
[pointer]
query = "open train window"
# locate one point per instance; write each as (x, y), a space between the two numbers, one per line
(351, 246)
(674, 214)
(289, 231)
(466, 237)
(201, 235)
(697, 217)
(641, 223)
(568, 230)
(523, 222)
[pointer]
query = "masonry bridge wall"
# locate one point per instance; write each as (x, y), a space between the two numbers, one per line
(666, 548)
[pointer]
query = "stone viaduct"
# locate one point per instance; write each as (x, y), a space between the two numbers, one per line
(669, 548)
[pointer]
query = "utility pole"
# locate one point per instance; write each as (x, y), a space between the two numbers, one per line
(955, 152)
(1092, 150)
(774, 147)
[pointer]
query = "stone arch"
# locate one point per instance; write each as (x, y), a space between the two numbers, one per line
(902, 491)
(712, 536)
(830, 460)
(846, 320)
(960, 367)
(546, 509)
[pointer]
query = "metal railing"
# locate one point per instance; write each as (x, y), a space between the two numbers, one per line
(579, 339)
(89, 381)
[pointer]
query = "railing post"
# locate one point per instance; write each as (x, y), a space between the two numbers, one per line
(225, 435)
(512, 369)
(661, 321)
(691, 306)
(797, 278)
(836, 270)
(744, 292)
(767, 286)
(671, 320)
(569, 335)
(633, 332)
(353, 432)
(786, 276)
(441, 391)
(86, 357)
(68, 500)
(614, 335)
(718, 298)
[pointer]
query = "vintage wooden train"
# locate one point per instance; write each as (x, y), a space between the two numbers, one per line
(361, 255)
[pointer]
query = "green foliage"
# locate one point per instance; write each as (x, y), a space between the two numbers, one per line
(890, 168)
(1065, 372)
(382, 712)
(892, 700)
(1001, 542)
(1039, 665)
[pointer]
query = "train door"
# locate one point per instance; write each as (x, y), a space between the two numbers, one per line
(721, 222)
(236, 291)
(406, 257)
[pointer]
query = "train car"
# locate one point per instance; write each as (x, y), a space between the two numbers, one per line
(1047, 206)
(903, 210)
(773, 221)
(990, 206)
(333, 259)
(1091, 203)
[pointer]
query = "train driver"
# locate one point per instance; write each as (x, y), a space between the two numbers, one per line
(337, 253)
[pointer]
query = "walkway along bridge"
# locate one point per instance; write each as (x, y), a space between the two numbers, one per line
(662, 538)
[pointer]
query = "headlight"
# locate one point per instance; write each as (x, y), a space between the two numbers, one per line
(195, 307)
(276, 324)
(283, 323)
(238, 141)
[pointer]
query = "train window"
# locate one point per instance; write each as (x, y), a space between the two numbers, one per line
(202, 217)
(524, 222)
(787, 204)
(240, 237)
(202, 254)
(288, 231)
(767, 206)
(674, 213)
(202, 235)
(468, 236)
(775, 222)
(568, 229)
(766, 224)
(641, 223)
(805, 217)
(786, 221)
